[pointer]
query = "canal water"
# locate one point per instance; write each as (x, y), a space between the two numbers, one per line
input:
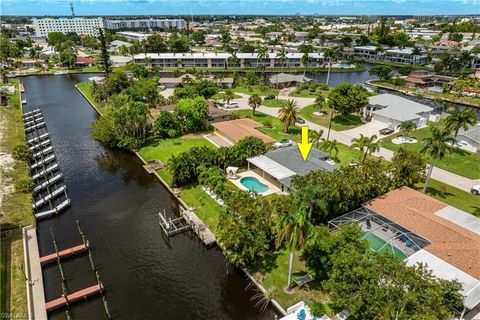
(116, 203)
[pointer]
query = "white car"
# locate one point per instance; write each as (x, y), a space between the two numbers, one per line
(475, 190)
(283, 143)
(231, 105)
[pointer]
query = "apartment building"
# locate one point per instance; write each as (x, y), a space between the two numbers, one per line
(404, 55)
(87, 26)
(130, 35)
(367, 52)
(145, 24)
(224, 60)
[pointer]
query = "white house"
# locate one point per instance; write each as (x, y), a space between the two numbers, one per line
(470, 139)
(391, 110)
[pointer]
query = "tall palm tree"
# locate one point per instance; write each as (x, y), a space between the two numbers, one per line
(316, 137)
(366, 145)
(305, 59)
(254, 102)
(460, 119)
(288, 114)
(262, 56)
(293, 230)
(406, 128)
(330, 146)
(437, 146)
(233, 59)
(330, 54)
(415, 53)
(228, 95)
(282, 57)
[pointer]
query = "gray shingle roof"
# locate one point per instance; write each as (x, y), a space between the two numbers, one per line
(291, 159)
(398, 108)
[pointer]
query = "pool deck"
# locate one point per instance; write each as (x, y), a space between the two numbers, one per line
(271, 188)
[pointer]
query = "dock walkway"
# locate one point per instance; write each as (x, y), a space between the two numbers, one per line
(73, 297)
(63, 254)
(203, 232)
(33, 272)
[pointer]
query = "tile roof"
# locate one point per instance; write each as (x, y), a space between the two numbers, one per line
(417, 212)
(235, 130)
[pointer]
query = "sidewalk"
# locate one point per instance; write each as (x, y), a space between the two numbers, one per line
(441, 175)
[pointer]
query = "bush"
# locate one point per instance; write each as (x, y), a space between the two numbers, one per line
(21, 152)
(323, 86)
(397, 82)
(268, 123)
(24, 185)
(405, 70)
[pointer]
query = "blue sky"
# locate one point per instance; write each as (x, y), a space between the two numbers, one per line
(237, 7)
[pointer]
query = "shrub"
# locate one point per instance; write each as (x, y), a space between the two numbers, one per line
(268, 123)
(21, 152)
(323, 86)
(24, 185)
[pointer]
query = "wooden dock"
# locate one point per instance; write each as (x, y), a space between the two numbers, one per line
(200, 229)
(64, 254)
(171, 226)
(73, 297)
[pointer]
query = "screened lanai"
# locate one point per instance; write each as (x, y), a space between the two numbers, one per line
(382, 234)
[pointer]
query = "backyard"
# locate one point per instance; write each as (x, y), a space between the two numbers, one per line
(461, 162)
(339, 122)
(86, 89)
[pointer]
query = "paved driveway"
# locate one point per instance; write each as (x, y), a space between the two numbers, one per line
(368, 129)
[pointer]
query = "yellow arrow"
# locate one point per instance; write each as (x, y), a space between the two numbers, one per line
(305, 146)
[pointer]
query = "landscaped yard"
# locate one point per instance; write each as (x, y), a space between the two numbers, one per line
(164, 149)
(260, 90)
(205, 207)
(455, 197)
(86, 89)
(308, 94)
(218, 96)
(339, 122)
(274, 278)
(274, 103)
(461, 162)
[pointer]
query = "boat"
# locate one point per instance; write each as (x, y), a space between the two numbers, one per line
(59, 73)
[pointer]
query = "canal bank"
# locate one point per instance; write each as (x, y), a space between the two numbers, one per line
(116, 201)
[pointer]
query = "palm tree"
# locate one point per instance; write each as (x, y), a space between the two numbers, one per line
(416, 52)
(406, 128)
(282, 57)
(330, 54)
(262, 56)
(293, 229)
(316, 137)
(437, 146)
(305, 59)
(460, 119)
(234, 60)
(329, 146)
(254, 102)
(366, 145)
(288, 114)
(228, 95)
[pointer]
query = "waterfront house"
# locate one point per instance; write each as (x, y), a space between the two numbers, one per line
(279, 166)
(425, 79)
(83, 62)
(469, 139)
(175, 82)
(417, 228)
(367, 52)
(405, 55)
(390, 110)
(287, 80)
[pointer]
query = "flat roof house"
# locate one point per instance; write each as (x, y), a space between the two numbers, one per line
(469, 139)
(420, 229)
(391, 110)
(281, 165)
(236, 130)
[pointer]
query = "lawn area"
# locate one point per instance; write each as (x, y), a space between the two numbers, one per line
(455, 197)
(339, 123)
(461, 162)
(163, 149)
(274, 277)
(86, 89)
(308, 94)
(274, 103)
(277, 126)
(260, 90)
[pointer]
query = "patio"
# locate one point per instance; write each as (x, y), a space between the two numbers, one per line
(272, 189)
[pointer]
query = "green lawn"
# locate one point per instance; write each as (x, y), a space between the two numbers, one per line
(455, 197)
(276, 131)
(308, 94)
(218, 96)
(339, 122)
(274, 103)
(164, 149)
(86, 89)
(205, 207)
(274, 277)
(261, 91)
(461, 162)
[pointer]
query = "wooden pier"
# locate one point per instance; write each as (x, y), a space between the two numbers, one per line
(198, 227)
(64, 254)
(74, 297)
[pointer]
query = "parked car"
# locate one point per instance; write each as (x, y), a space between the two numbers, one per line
(386, 131)
(283, 143)
(231, 105)
(300, 120)
(475, 190)
(269, 97)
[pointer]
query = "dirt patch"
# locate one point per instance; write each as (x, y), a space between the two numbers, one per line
(6, 186)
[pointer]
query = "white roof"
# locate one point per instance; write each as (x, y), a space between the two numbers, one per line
(444, 270)
(398, 108)
(220, 55)
(463, 219)
(271, 167)
(371, 48)
(119, 59)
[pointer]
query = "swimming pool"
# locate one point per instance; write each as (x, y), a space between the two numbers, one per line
(252, 184)
(377, 244)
